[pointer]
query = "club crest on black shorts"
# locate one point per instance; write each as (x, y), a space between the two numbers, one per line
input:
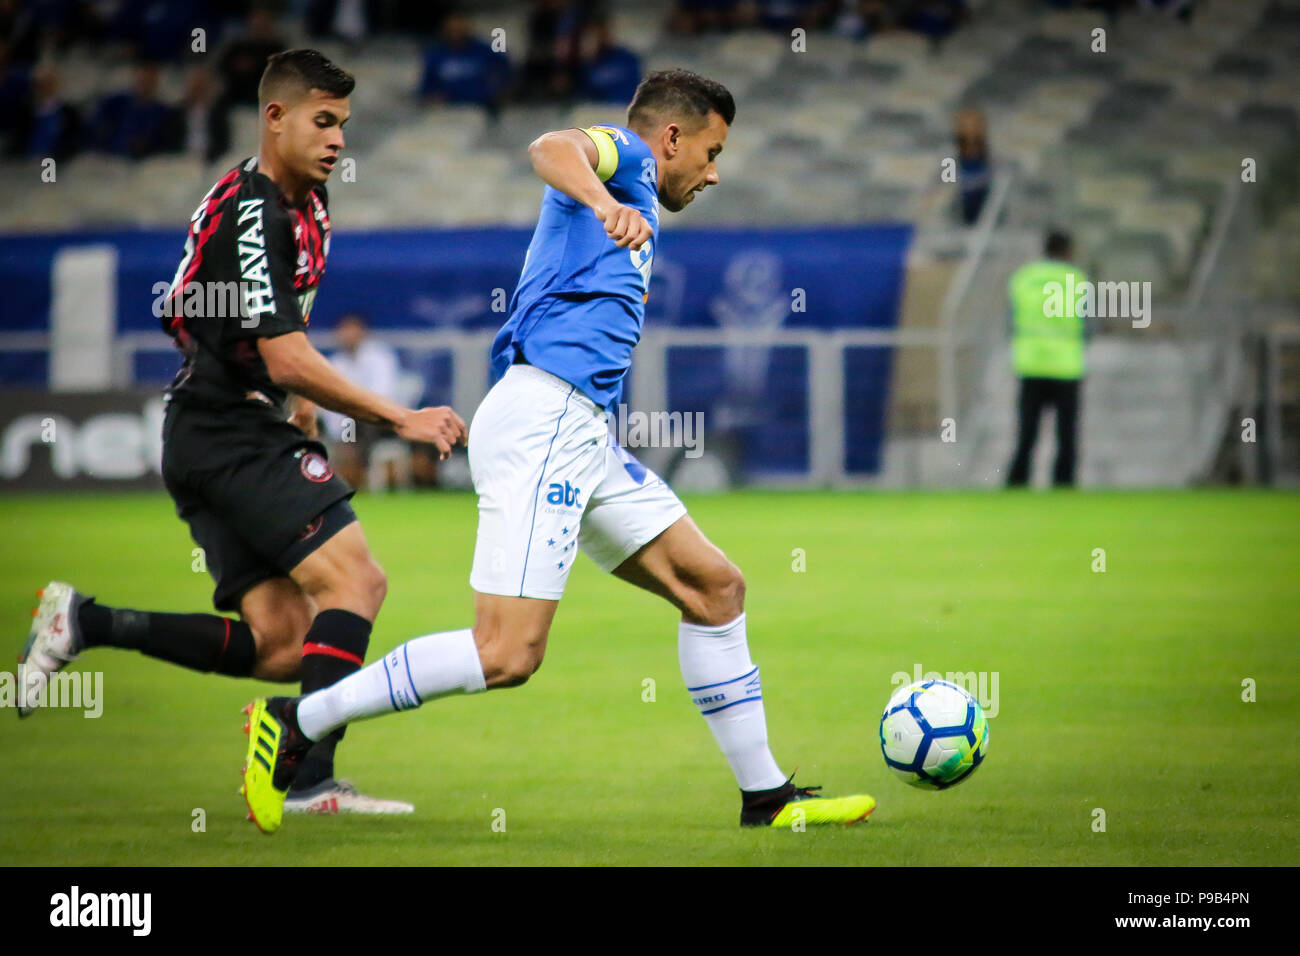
(314, 467)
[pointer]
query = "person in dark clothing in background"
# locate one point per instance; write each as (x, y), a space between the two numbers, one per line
(554, 35)
(243, 61)
(201, 127)
(45, 125)
(162, 30)
(15, 93)
(461, 68)
(348, 20)
(134, 123)
(973, 170)
(610, 73)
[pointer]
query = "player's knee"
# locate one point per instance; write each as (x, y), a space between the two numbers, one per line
(722, 599)
(362, 587)
(506, 660)
(279, 646)
(519, 666)
(280, 663)
(736, 590)
(376, 585)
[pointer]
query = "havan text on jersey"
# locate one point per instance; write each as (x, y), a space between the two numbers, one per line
(258, 296)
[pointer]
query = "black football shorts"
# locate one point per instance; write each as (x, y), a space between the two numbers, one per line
(259, 495)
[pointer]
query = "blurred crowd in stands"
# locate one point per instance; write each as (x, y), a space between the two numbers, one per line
(861, 19)
(569, 54)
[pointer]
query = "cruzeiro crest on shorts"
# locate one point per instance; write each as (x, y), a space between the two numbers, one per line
(313, 466)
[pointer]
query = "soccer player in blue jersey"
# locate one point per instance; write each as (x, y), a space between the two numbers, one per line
(552, 480)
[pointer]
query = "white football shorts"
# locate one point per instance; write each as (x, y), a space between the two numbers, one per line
(552, 481)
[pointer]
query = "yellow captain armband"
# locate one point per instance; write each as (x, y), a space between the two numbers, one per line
(606, 152)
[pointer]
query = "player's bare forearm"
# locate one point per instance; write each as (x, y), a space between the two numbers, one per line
(566, 160)
(294, 363)
(302, 415)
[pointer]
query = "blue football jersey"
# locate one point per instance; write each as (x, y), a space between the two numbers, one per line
(580, 303)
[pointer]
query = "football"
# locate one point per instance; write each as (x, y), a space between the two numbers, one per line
(933, 734)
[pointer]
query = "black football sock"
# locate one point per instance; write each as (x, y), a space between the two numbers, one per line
(335, 646)
(318, 765)
(201, 642)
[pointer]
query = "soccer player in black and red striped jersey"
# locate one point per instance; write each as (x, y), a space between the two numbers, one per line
(240, 456)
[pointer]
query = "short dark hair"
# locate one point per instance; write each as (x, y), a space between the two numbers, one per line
(303, 70)
(1057, 244)
(679, 93)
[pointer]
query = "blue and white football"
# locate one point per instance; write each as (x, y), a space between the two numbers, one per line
(933, 734)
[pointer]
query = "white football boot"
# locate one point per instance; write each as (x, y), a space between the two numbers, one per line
(53, 642)
(340, 796)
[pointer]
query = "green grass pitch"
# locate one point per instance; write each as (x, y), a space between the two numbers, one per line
(1120, 690)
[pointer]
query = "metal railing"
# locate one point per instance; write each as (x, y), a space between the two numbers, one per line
(649, 384)
(969, 341)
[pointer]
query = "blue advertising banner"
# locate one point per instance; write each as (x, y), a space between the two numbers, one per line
(847, 277)
(743, 280)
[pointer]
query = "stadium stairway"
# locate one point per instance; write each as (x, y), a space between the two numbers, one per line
(1145, 418)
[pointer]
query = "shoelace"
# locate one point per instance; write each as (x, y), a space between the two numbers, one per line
(801, 791)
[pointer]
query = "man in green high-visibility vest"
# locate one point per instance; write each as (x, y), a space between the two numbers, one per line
(1047, 344)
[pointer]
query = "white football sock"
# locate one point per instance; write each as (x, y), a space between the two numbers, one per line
(410, 675)
(724, 684)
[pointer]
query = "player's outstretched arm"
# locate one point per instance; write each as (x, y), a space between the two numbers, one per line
(567, 160)
(295, 364)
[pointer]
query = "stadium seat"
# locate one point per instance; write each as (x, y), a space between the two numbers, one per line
(874, 75)
(758, 53)
(826, 123)
(1111, 190)
(768, 91)
(886, 202)
(1179, 220)
(902, 48)
(1136, 255)
(1067, 25)
(906, 168)
(1091, 228)
(519, 126)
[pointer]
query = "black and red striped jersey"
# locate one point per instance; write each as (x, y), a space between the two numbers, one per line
(251, 268)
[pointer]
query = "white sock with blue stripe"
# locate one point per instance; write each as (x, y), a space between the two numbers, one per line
(409, 675)
(724, 683)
